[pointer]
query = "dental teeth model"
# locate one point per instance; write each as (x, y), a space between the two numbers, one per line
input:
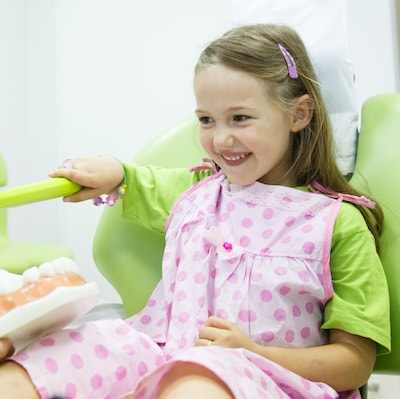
(42, 299)
(36, 282)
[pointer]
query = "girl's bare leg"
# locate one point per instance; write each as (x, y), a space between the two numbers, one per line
(15, 382)
(6, 348)
(189, 380)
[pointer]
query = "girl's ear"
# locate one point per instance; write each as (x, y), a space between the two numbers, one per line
(302, 113)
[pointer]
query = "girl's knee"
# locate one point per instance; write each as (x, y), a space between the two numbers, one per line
(6, 348)
(186, 379)
(15, 382)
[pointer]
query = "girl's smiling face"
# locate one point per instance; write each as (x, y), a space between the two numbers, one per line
(246, 133)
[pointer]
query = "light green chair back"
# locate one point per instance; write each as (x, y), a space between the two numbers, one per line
(129, 256)
(15, 256)
(377, 172)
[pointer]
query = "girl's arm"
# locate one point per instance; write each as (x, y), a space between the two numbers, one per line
(344, 364)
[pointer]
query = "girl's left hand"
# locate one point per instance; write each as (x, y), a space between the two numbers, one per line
(217, 331)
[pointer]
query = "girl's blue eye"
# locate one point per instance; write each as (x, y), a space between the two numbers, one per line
(205, 120)
(240, 118)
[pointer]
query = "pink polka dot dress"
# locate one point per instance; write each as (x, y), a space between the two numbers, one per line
(257, 256)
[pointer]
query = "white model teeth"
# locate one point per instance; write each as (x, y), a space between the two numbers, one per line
(65, 265)
(47, 270)
(31, 275)
(10, 282)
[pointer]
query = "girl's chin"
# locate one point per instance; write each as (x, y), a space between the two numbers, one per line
(240, 182)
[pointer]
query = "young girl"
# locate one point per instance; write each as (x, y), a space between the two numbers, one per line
(267, 271)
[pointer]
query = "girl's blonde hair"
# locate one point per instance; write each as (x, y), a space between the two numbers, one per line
(254, 50)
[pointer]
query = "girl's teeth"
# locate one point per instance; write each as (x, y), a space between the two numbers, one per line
(236, 158)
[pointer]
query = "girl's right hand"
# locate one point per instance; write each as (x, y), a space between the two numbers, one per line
(96, 174)
(6, 348)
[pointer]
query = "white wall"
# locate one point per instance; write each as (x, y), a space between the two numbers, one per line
(91, 77)
(98, 76)
(374, 46)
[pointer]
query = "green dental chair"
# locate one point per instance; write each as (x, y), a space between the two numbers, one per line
(130, 257)
(16, 257)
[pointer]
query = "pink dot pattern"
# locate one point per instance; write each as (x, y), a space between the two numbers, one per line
(270, 280)
(263, 248)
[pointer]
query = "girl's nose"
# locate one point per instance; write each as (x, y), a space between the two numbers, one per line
(223, 137)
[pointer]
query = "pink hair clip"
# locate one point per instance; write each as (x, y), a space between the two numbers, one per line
(291, 64)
